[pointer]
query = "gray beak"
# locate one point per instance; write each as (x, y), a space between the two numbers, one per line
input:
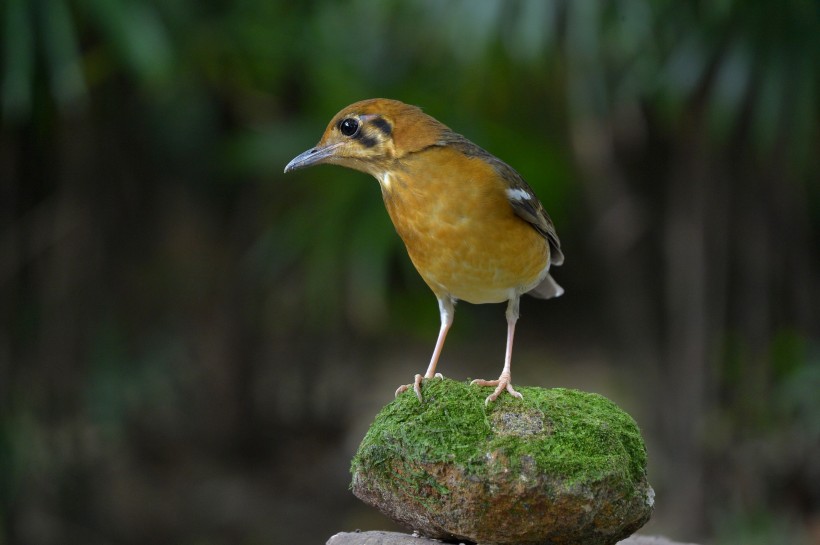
(313, 156)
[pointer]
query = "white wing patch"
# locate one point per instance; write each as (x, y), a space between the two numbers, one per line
(385, 180)
(518, 194)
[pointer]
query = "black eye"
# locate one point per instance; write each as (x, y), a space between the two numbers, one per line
(349, 126)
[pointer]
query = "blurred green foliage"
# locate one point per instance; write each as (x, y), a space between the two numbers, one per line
(175, 311)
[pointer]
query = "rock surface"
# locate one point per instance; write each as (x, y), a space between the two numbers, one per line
(559, 466)
(395, 538)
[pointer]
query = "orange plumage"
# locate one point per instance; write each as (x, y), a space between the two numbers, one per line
(472, 226)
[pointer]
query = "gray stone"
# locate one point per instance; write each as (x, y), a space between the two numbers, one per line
(560, 466)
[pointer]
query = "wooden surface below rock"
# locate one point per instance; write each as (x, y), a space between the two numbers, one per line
(396, 538)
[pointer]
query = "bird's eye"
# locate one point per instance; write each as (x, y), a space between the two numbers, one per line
(349, 126)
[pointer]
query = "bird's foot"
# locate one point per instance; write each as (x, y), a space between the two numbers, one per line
(502, 383)
(416, 385)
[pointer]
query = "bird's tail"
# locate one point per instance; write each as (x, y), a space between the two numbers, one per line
(547, 289)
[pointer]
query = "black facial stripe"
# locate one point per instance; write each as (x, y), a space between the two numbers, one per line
(382, 125)
(367, 141)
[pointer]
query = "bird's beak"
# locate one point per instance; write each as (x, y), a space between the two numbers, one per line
(313, 156)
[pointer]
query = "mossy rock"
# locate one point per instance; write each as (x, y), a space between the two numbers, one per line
(560, 466)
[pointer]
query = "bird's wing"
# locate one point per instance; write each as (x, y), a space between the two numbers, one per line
(527, 206)
(521, 196)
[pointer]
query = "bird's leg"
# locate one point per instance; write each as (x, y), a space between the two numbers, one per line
(447, 309)
(504, 381)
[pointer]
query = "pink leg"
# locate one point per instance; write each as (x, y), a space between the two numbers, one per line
(446, 309)
(504, 381)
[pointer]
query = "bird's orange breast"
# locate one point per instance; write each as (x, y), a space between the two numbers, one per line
(461, 233)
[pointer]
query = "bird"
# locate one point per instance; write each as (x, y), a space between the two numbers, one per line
(472, 226)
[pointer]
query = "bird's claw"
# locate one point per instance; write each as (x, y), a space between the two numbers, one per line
(416, 385)
(401, 389)
(502, 383)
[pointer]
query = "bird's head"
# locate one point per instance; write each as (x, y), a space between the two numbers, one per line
(371, 135)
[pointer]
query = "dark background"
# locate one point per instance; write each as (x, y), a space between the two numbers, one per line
(192, 344)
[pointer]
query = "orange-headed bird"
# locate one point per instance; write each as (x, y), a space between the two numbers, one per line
(473, 228)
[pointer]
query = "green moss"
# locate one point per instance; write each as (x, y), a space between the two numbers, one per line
(580, 436)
